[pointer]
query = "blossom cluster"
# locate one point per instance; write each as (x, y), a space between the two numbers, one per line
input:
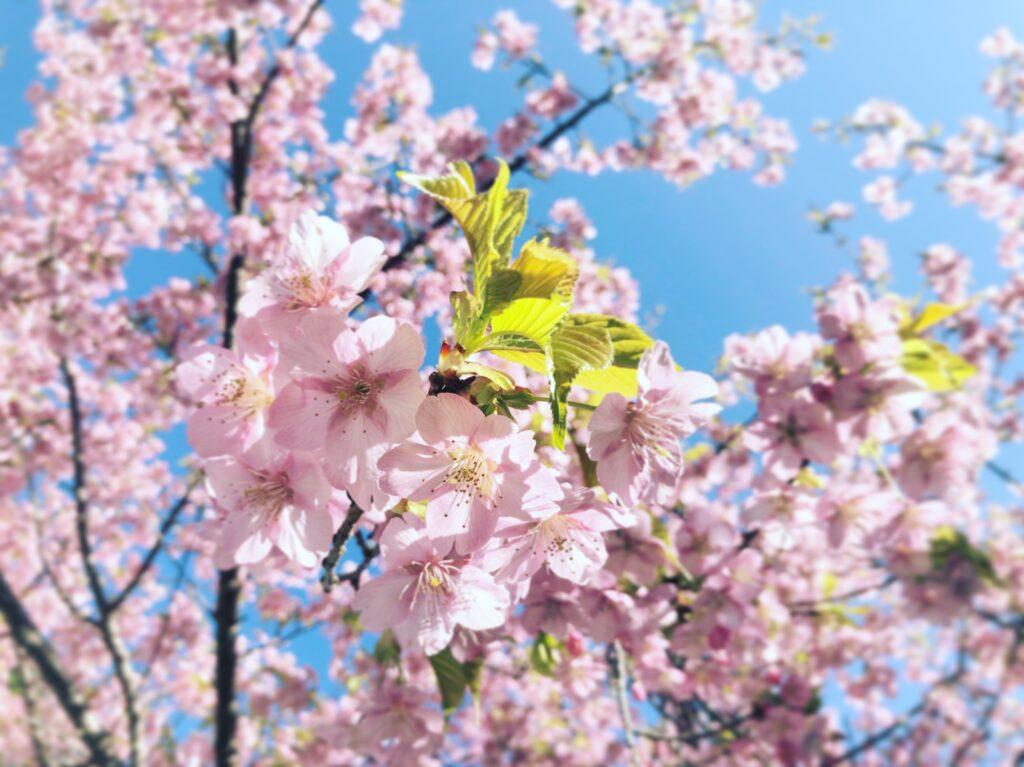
(315, 414)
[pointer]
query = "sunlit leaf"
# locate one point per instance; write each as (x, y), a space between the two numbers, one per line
(451, 679)
(930, 315)
(546, 272)
(935, 365)
(628, 345)
(578, 344)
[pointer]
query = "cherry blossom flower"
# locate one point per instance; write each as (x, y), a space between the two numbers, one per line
(271, 498)
(233, 393)
(354, 394)
(426, 590)
(569, 542)
(321, 268)
(863, 331)
(471, 469)
(636, 445)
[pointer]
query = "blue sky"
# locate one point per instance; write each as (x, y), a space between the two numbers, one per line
(724, 255)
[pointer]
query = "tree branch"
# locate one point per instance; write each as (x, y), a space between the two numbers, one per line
(519, 162)
(36, 647)
(620, 676)
(147, 562)
(341, 536)
(228, 582)
(110, 636)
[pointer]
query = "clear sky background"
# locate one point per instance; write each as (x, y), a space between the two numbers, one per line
(724, 255)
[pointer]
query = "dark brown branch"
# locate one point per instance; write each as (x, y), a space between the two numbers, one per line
(341, 536)
(111, 639)
(369, 550)
(27, 637)
(78, 490)
(31, 709)
(228, 582)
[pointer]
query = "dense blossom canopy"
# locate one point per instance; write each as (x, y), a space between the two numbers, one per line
(545, 540)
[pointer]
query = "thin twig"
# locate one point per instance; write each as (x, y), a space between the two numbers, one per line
(620, 676)
(147, 561)
(328, 577)
(111, 638)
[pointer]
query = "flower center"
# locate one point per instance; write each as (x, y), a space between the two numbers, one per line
(269, 496)
(647, 430)
(248, 393)
(470, 473)
(303, 288)
(435, 580)
(357, 390)
(556, 530)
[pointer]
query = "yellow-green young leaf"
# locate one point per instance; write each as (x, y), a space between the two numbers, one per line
(490, 220)
(628, 345)
(501, 381)
(451, 679)
(829, 581)
(547, 272)
(467, 324)
(510, 221)
(502, 287)
(575, 346)
(935, 365)
(950, 546)
(545, 655)
(523, 325)
(451, 187)
(931, 314)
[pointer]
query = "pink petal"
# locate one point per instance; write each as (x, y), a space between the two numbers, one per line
(317, 240)
(412, 470)
(299, 417)
(380, 603)
(400, 400)
(360, 263)
(445, 416)
(227, 480)
(479, 603)
(405, 541)
(391, 345)
(244, 539)
(608, 424)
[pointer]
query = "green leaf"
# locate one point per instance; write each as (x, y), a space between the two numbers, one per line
(546, 654)
(499, 380)
(466, 317)
(930, 315)
(387, 650)
(546, 272)
(525, 324)
(950, 546)
(501, 289)
(473, 671)
(451, 679)
(449, 188)
(935, 365)
(490, 220)
(577, 345)
(628, 344)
